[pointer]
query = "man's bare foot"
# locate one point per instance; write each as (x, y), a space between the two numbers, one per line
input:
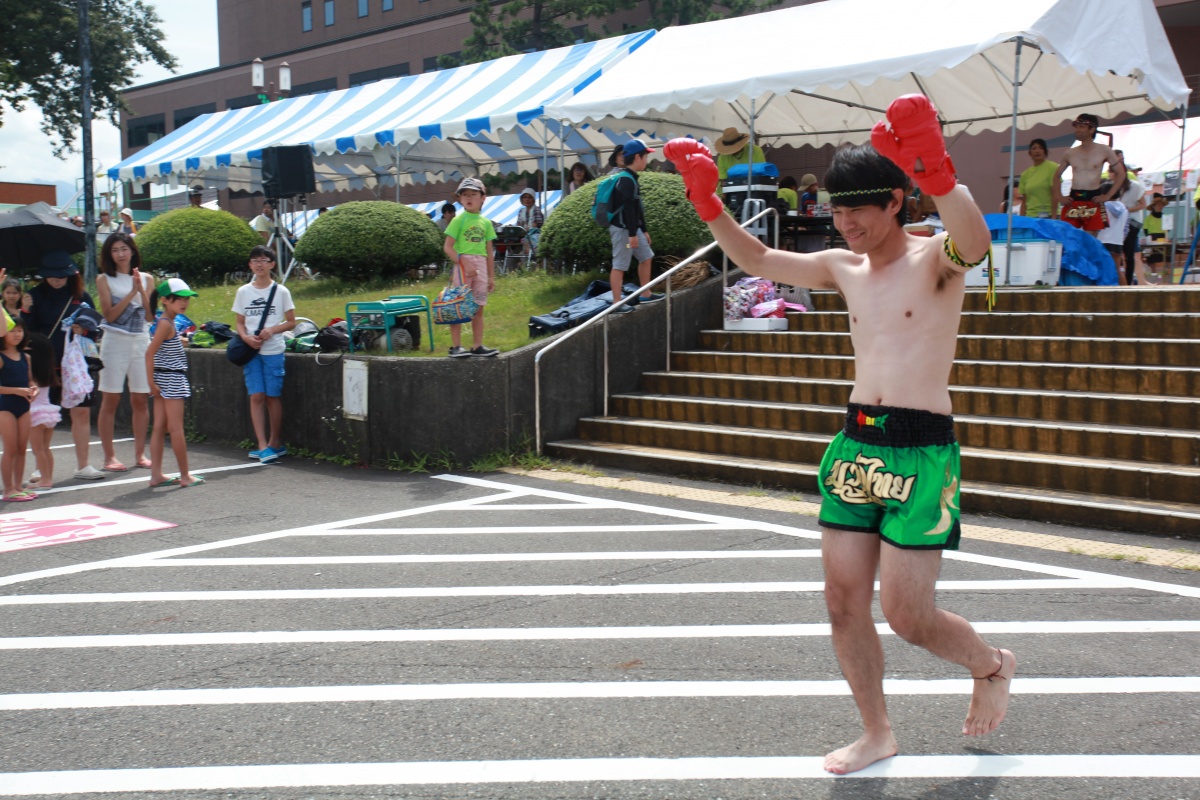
(866, 751)
(989, 701)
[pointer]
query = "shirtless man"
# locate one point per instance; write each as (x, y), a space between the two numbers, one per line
(1085, 208)
(890, 479)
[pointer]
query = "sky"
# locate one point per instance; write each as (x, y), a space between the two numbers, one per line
(190, 31)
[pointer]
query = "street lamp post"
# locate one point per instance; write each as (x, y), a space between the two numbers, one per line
(258, 77)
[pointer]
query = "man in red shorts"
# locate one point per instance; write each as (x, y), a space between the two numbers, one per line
(889, 480)
(1085, 207)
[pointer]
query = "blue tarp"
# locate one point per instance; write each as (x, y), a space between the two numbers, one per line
(1085, 262)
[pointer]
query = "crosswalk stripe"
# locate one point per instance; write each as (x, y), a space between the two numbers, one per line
(510, 591)
(456, 558)
(582, 690)
(579, 770)
(559, 634)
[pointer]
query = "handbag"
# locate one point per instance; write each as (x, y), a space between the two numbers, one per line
(238, 352)
(455, 304)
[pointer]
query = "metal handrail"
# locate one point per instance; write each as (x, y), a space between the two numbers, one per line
(603, 315)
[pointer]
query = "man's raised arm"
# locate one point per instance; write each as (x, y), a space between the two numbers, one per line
(912, 138)
(695, 165)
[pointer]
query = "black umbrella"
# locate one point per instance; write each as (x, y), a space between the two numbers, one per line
(26, 236)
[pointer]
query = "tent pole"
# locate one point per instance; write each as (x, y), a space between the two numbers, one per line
(396, 150)
(1012, 165)
(1184, 217)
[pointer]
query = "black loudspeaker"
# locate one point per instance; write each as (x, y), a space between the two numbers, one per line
(288, 171)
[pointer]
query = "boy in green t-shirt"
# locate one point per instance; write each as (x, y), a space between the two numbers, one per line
(469, 240)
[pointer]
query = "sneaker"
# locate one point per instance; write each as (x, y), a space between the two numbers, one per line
(89, 473)
(281, 450)
(255, 455)
(459, 352)
(36, 477)
(484, 352)
(625, 309)
(268, 456)
(653, 298)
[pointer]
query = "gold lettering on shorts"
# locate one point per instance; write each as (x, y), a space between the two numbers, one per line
(866, 480)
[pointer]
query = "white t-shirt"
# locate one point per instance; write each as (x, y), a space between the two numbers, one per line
(263, 224)
(250, 302)
(1118, 218)
(1131, 197)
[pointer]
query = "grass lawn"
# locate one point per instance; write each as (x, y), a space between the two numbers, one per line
(518, 296)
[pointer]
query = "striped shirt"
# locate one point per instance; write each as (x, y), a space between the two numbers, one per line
(170, 369)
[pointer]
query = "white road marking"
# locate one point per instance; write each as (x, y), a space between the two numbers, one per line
(453, 558)
(578, 770)
(504, 591)
(1077, 627)
(580, 690)
(532, 530)
(785, 530)
(144, 477)
(72, 445)
(128, 561)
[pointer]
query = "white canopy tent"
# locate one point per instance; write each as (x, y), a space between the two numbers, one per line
(1101, 56)
(476, 119)
(987, 67)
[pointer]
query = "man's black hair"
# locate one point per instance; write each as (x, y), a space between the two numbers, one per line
(860, 176)
(1042, 143)
(449, 207)
(789, 183)
(262, 251)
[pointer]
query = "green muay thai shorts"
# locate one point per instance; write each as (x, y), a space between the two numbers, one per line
(894, 472)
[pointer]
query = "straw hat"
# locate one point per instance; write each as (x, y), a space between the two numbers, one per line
(731, 141)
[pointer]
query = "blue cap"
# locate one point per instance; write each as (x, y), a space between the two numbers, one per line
(635, 147)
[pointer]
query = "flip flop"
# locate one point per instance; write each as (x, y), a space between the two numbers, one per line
(168, 482)
(143, 463)
(196, 481)
(20, 497)
(116, 466)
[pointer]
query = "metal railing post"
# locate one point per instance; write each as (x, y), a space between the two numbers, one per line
(603, 317)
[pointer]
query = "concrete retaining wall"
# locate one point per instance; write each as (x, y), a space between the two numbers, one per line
(468, 407)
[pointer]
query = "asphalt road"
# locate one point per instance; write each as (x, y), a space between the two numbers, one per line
(309, 631)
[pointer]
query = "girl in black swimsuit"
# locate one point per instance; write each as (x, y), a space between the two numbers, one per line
(15, 394)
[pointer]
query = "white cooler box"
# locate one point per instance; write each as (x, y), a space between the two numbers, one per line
(756, 324)
(1034, 262)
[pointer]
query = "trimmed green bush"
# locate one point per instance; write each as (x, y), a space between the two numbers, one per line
(572, 236)
(199, 243)
(371, 239)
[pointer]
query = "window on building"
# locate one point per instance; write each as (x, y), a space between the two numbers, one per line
(328, 13)
(387, 5)
(371, 75)
(364, 7)
(580, 33)
(185, 115)
(306, 16)
(146, 130)
(245, 101)
(313, 87)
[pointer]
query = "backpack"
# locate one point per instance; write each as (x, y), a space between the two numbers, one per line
(602, 208)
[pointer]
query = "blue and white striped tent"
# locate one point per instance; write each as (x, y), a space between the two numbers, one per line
(476, 119)
(501, 210)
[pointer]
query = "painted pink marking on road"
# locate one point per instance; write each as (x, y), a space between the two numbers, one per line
(74, 523)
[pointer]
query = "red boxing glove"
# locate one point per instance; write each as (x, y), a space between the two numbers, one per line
(695, 164)
(912, 131)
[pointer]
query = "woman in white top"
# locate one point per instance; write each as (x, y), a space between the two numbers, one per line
(125, 303)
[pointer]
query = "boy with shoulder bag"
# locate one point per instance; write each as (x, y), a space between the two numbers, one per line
(265, 311)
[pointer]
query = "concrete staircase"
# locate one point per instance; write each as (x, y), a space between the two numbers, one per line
(1078, 406)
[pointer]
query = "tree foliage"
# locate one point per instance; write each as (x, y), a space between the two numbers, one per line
(39, 58)
(200, 244)
(572, 236)
(371, 239)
